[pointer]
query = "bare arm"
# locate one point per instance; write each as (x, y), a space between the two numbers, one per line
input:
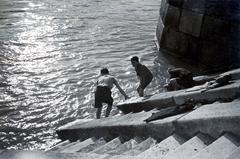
(119, 88)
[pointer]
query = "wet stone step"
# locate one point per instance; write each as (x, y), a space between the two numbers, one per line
(111, 145)
(77, 146)
(190, 147)
(146, 144)
(93, 146)
(163, 148)
(219, 149)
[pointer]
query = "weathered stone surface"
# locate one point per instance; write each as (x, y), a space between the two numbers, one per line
(146, 144)
(180, 43)
(123, 147)
(163, 9)
(108, 146)
(219, 27)
(172, 17)
(15, 154)
(177, 3)
(215, 29)
(220, 149)
(235, 154)
(211, 119)
(212, 60)
(226, 9)
(93, 146)
(189, 148)
(78, 146)
(190, 23)
(163, 148)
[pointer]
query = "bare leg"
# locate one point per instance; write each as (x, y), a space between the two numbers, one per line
(98, 113)
(108, 110)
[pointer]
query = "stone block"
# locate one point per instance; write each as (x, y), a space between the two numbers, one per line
(180, 44)
(159, 30)
(234, 58)
(177, 3)
(215, 29)
(172, 17)
(163, 9)
(215, 56)
(190, 23)
(212, 7)
(234, 36)
(228, 9)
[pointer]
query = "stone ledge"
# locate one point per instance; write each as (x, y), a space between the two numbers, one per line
(213, 119)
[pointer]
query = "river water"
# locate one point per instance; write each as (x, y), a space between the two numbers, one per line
(51, 52)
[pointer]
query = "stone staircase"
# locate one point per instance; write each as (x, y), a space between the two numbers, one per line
(226, 146)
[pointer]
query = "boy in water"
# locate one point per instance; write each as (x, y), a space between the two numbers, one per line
(103, 92)
(144, 75)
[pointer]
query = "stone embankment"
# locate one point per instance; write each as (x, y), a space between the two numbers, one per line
(211, 130)
(205, 32)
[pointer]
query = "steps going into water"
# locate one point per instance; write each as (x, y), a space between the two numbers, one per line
(226, 146)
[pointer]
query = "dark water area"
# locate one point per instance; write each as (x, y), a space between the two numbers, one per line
(51, 52)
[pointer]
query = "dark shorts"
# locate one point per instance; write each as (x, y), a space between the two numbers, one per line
(103, 95)
(145, 82)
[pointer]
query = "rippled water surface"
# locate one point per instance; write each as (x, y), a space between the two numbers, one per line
(50, 55)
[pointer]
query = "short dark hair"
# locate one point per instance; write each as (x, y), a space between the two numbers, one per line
(104, 71)
(134, 58)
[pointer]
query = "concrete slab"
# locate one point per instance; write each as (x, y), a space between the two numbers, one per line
(189, 148)
(163, 148)
(219, 149)
(146, 144)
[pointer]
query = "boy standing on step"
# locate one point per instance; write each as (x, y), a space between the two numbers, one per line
(103, 92)
(144, 75)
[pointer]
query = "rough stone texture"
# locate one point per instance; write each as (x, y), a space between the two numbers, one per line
(93, 146)
(190, 23)
(149, 142)
(204, 32)
(163, 148)
(77, 146)
(175, 98)
(235, 154)
(172, 17)
(213, 119)
(15, 154)
(189, 148)
(108, 146)
(220, 149)
(124, 147)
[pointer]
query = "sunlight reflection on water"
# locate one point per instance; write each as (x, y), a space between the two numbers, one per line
(51, 53)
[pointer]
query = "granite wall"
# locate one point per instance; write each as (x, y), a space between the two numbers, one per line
(202, 32)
